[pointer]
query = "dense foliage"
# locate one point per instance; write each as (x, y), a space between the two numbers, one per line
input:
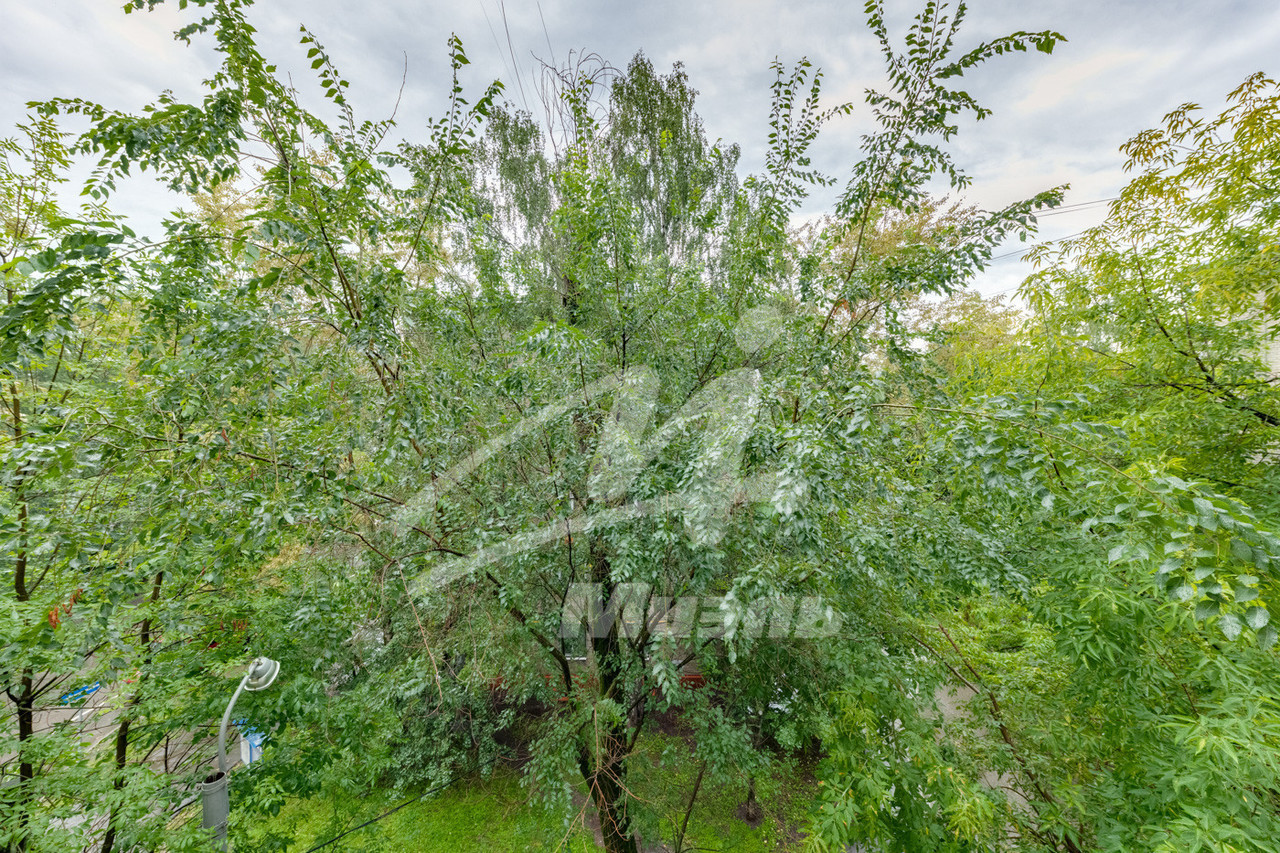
(388, 431)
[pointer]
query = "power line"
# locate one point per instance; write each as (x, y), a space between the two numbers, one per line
(519, 79)
(1024, 251)
(407, 802)
(551, 53)
(1008, 255)
(493, 33)
(1073, 208)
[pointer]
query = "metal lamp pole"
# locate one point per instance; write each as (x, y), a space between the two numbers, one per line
(213, 791)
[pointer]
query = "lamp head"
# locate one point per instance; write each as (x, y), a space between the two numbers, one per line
(262, 672)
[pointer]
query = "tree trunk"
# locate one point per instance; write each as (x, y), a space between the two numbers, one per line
(752, 807)
(688, 812)
(605, 775)
(605, 772)
(25, 702)
(122, 750)
(126, 720)
(604, 766)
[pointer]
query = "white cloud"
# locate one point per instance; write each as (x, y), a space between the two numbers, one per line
(1089, 79)
(1058, 118)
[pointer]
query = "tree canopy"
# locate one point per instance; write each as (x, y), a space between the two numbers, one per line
(505, 441)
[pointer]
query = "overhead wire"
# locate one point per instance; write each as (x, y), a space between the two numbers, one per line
(1070, 208)
(389, 812)
(551, 53)
(1024, 251)
(494, 34)
(1021, 252)
(510, 49)
(1073, 208)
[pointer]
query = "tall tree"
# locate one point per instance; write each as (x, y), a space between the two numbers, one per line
(590, 356)
(1088, 510)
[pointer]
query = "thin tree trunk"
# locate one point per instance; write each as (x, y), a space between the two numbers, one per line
(688, 812)
(604, 766)
(25, 702)
(752, 810)
(126, 720)
(122, 750)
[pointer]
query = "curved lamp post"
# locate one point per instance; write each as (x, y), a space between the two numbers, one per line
(216, 801)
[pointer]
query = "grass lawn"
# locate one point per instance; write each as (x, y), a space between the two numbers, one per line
(496, 814)
(491, 814)
(665, 784)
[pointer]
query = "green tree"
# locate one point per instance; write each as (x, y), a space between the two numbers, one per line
(323, 379)
(108, 539)
(1088, 504)
(607, 300)
(1169, 302)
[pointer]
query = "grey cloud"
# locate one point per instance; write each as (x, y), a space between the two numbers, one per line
(1056, 118)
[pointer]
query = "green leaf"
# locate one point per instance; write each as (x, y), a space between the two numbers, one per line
(1257, 617)
(1230, 625)
(1207, 514)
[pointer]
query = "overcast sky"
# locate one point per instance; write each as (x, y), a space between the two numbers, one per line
(1057, 119)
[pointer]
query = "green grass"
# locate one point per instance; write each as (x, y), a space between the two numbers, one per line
(665, 785)
(496, 814)
(491, 814)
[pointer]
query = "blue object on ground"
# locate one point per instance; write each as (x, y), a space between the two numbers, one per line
(80, 693)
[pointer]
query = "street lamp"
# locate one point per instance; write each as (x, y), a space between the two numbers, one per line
(216, 801)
